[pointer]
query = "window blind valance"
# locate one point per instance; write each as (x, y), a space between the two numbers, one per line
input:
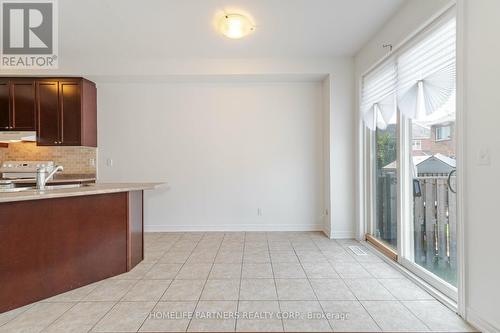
(418, 81)
(427, 73)
(378, 95)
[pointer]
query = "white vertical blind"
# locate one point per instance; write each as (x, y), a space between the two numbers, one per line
(417, 82)
(378, 103)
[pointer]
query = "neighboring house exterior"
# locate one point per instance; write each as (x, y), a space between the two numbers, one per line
(435, 165)
(435, 139)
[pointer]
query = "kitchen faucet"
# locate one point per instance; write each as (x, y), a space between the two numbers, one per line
(42, 176)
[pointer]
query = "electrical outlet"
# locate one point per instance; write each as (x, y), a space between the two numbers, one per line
(109, 162)
(259, 211)
(92, 162)
(484, 157)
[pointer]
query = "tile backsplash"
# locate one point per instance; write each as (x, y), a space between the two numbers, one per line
(75, 160)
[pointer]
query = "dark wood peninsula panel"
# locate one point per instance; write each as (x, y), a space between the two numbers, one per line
(51, 246)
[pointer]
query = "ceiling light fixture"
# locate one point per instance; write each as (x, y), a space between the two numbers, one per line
(235, 26)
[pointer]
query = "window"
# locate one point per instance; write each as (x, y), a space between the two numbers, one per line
(443, 133)
(408, 105)
(416, 145)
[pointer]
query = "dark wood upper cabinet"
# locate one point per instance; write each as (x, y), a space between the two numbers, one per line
(47, 113)
(4, 105)
(17, 105)
(66, 112)
(71, 113)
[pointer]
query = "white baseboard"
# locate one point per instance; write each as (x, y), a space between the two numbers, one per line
(480, 323)
(233, 227)
(343, 234)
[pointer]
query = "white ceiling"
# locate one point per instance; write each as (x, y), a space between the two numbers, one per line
(185, 28)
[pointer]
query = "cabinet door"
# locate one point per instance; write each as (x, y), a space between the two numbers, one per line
(70, 113)
(4, 105)
(23, 107)
(47, 113)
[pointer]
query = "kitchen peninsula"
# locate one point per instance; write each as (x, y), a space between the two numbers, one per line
(61, 239)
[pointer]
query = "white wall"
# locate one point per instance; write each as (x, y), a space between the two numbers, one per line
(158, 85)
(226, 149)
(480, 76)
(482, 112)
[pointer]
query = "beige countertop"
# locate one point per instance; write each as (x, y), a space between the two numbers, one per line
(93, 189)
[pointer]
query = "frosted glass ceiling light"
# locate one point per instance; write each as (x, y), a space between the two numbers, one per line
(235, 26)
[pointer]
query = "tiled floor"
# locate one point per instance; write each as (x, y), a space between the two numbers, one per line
(275, 281)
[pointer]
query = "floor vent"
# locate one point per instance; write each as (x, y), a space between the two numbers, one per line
(358, 250)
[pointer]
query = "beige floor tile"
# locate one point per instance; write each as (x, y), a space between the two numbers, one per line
(319, 271)
(36, 318)
(304, 316)
(438, 317)
(136, 273)
(229, 257)
(288, 271)
(340, 257)
(80, 318)
(206, 325)
(258, 290)
(369, 290)
(225, 271)
(202, 257)
(381, 270)
(152, 256)
(125, 317)
(332, 290)
(307, 325)
(348, 316)
(194, 271)
(221, 290)
(231, 247)
(206, 311)
(163, 272)
(75, 295)
(257, 271)
(284, 257)
(257, 257)
(405, 290)
(368, 258)
(110, 290)
(147, 290)
(393, 316)
(169, 317)
(9, 315)
(350, 270)
(259, 316)
(175, 257)
(280, 246)
(294, 289)
(184, 290)
(311, 256)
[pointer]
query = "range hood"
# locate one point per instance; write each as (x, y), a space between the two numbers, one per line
(8, 137)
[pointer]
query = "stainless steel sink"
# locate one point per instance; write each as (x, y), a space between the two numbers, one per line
(64, 186)
(47, 188)
(15, 189)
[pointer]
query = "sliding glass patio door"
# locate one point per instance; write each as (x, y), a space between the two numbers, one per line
(385, 227)
(408, 106)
